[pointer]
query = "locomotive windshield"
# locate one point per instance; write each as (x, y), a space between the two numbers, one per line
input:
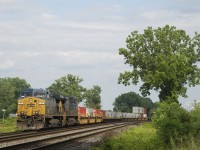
(39, 93)
(25, 93)
(33, 92)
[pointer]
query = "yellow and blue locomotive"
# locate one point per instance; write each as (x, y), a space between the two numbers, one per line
(38, 109)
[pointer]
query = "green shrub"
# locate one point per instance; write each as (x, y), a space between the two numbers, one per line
(195, 114)
(172, 121)
(143, 137)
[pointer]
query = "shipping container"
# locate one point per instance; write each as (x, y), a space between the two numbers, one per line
(89, 112)
(138, 110)
(82, 111)
(108, 114)
(98, 113)
(118, 115)
(114, 114)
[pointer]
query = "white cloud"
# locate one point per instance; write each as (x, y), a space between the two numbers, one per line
(5, 63)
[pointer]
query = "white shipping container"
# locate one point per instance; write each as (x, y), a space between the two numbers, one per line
(89, 112)
(138, 110)
(128, 115)
(108, 114)
(114, 114)
(118, 115)
(138, 116)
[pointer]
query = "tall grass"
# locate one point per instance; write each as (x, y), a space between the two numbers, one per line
(187, 143)
(9, 125)
(143, 137)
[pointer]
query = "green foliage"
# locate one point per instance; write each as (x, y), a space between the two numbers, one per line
(136, 138)
(126, 101)
(9, 125)
(69, 86)
(18, 85)
(9, 93)
(195, 113)
(93, 98)
(164, 59)
(171, 122)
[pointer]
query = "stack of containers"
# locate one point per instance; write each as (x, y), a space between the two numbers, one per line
(139, 112)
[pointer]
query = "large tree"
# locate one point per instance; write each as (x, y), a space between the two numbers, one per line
(126, 101)
(164, 59)
(9, 93)
(69, 86)
(93, 98)
(18, 85)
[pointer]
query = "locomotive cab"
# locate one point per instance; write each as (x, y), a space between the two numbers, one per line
(31, 109)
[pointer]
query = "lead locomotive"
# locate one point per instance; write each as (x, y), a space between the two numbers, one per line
(38, 109)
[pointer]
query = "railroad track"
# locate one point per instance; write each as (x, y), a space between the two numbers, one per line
(49, 139)
(21, 134)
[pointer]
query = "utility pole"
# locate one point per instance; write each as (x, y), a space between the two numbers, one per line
(3, 114)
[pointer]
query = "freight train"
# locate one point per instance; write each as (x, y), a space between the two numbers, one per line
(38, 109)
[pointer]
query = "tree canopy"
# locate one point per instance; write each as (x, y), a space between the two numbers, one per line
(69, 86)
(9, 93)
(163, 59)
(126, 101)
(93, 98)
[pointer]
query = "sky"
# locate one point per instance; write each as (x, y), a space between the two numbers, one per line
(43, 40)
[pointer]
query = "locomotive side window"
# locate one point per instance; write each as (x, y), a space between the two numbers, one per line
(73, 105)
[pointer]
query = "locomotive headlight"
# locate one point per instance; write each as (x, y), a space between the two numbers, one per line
(23, 113)
(36, 113)
(20, 103)
(41, 103)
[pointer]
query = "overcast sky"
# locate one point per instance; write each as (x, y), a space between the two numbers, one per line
(43, 40)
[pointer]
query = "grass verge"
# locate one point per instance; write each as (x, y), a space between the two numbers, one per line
(143, 137)
(9, 125)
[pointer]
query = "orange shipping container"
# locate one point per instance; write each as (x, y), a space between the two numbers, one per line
(82, 111)
(98, 113)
